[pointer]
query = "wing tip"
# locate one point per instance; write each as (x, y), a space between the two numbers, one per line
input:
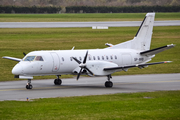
(168, 61)
(171, 45)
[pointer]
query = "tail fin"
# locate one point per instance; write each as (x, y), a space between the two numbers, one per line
(142, 39)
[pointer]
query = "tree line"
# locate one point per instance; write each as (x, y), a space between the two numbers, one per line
(125, 9)
(89, 9)
(33, 9)
(66, 3)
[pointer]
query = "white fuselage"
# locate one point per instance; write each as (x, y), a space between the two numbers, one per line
(60, 62)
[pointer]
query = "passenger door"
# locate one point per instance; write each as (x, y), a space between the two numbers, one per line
(55, 61)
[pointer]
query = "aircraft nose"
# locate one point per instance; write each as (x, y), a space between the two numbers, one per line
(17, 70)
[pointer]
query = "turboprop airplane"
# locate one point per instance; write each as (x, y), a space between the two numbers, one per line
(93, 62)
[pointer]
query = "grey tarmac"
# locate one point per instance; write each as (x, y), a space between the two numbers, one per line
(83, 24)
(15, 90)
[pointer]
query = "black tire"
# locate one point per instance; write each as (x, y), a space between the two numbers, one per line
(29, 86)
(108, 84)
(57, 81)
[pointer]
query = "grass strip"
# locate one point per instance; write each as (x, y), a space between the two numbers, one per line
(162, 105)
(84, 17)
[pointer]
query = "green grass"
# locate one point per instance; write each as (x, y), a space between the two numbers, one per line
(125, 106)
(13, 42)
(84, 17)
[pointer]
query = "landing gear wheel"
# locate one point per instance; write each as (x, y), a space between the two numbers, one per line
(57, 81)
(29, 86)
(108, 84)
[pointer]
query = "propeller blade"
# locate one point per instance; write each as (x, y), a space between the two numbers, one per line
(82, 65)
(24, 53)
(79, 74)
(85, 57)
(76, 60)
(89, 71)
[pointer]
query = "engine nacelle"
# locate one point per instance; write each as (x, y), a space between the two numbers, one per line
(97, 67)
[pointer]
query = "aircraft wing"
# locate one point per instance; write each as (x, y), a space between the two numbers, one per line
(12, 58)
(156, 50)
(137, 65)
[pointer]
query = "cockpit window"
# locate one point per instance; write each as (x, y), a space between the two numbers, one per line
(32, 58)
(39, 58)
(29, 58)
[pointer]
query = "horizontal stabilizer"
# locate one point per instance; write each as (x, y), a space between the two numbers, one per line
(157, 50)
(12, 58)
(137, 65)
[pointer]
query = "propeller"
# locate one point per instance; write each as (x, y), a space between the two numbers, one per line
(82, 65)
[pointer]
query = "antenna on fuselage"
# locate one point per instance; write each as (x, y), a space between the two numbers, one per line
(73, 48)
(24, 53)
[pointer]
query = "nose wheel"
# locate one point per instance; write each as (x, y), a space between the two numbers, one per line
(29, 86)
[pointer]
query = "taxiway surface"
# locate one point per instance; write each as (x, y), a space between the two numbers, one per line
(15, 90)
(83, 24)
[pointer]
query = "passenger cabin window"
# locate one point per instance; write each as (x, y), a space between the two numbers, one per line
(89, 58)
(98, 58)
(62, 59)
(102, 57)
(111, 57)
(115, 57)
(94, 58)
(107, 57)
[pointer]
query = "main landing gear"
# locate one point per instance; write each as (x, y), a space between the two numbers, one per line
(108, 83)
(29, 86)
(58, 81)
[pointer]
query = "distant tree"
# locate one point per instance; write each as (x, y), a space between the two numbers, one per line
(109, 3)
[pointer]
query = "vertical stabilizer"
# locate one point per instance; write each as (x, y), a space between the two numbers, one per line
(142, 40)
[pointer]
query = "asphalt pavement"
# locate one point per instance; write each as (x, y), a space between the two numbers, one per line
(83, 24)
(15, 90)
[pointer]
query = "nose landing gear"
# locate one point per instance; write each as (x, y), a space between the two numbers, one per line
(29, 86)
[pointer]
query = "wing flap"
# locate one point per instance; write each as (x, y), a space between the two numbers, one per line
(137, 65)
(12, 58)
(156, 50)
